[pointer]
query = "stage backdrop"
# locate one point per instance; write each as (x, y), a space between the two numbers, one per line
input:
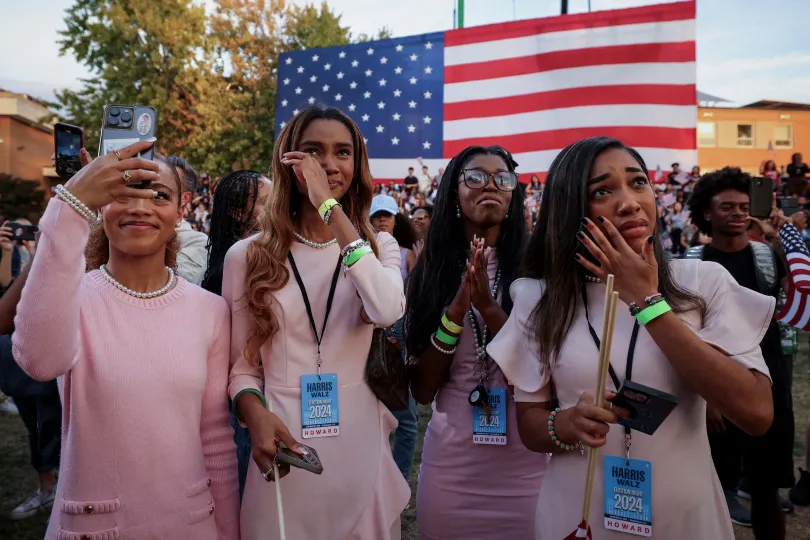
(531, 86)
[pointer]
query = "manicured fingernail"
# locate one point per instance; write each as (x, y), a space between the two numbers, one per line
(601, 219)
(581, 235)
(151, 139)
(584, 221)
(650, 240)
(577, 256)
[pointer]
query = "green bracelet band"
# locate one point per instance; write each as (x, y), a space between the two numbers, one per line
(450, 325)
(356, 255)
(327, 204)
(445, 338)
(653, 312)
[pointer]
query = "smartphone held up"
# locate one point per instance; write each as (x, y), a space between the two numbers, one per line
(123, 125)
(68, 142)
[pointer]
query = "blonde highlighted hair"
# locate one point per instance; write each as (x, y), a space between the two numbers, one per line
(266, 270)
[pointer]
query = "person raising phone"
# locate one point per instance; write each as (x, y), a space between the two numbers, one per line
(141, 358)
(690, 330)
(303, 295)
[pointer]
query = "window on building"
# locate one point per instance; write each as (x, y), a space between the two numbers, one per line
(706, 134)
(745, 135)
(783, 136)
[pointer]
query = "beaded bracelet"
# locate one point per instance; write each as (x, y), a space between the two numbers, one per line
(649, 300)
(440, 349)
(71, 200)
(328, 213)
(356, 255)
(351, 246)
(552, 417)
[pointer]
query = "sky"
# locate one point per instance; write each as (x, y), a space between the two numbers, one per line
(747, 50)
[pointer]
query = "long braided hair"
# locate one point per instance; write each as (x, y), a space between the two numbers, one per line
(235, 197)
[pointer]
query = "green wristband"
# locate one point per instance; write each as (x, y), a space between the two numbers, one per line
(653, 312)
(445, 338)
(356, 255)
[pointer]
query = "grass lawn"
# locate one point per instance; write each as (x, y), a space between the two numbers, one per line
(18, 479)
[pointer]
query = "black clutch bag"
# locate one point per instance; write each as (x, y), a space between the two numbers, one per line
(386, 372)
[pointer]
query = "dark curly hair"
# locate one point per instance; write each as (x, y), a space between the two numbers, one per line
(710, 185)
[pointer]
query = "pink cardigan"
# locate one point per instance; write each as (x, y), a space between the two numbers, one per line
(147, 449)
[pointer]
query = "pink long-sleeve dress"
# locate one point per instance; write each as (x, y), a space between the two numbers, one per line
(467, 490)
(361, 493)
(687, 498)
(147, 449)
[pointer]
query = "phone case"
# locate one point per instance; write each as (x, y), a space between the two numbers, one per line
(123, 125)
(648, 407)
(66, 156)
(309, 461)
(761, 197)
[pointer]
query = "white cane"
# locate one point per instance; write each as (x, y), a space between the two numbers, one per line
(277, 481)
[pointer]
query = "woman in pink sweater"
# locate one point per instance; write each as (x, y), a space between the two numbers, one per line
(141, 358)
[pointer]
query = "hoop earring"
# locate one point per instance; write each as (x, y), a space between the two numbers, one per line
(458, 211)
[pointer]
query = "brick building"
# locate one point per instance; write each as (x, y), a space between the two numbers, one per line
(26, 139)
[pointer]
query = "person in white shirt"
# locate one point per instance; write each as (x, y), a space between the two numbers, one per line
(192, 260)
(425, 181)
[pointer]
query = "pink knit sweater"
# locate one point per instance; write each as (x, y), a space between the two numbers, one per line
(147, 449)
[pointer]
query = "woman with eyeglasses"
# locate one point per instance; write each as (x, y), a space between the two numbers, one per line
(476, 480)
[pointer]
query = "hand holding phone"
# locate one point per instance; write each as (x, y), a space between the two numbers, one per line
(308, 458)
(22, 232)
(103, 181)
(123, 125)
(761, 197)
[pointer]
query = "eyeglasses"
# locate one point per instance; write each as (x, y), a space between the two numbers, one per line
(420, 218)
(477, 179)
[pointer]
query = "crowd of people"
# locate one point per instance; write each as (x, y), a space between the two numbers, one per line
(217, 336)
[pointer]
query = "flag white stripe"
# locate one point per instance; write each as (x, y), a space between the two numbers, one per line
(569, 40)
(805, 317)
(579, 77)
(801, 278)
(534, 162)
(674, 116)
(794, 307)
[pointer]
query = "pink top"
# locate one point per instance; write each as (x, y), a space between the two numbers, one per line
(147, 449)
(361, 493)
(687, 498)
(469, 490)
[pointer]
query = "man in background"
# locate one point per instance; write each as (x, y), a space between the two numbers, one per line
(192, 260)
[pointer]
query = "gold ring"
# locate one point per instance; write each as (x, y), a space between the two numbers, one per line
(117, 155)
(127, 176)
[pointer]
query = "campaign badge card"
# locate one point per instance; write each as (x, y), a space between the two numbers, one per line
(319, 406)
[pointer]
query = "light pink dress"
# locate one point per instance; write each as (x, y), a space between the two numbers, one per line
(467, 490)
(361, 492)
(687, 499)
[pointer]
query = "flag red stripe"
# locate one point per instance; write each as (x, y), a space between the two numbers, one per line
(493, 32)
(647, 94)
(597, 56)
(641, 136)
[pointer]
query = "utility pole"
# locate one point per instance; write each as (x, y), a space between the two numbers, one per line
(563, 7)
(460, 14)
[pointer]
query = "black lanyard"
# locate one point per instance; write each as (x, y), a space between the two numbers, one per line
(331, 297)
(631, 350)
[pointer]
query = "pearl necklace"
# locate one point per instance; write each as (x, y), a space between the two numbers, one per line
(481, 367)
(136, 294)
(312, 244)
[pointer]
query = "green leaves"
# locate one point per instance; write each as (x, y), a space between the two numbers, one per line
(212, 77)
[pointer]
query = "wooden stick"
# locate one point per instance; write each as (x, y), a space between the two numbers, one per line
(608, 320)
(282, 529)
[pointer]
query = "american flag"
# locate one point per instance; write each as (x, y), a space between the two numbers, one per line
(531, 86)
(796, 310)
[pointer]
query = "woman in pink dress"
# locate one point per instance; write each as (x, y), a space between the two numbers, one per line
(694, 333)
(477, 481)
(141, 357)
(305, 295)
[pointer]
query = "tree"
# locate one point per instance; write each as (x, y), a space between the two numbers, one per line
(140, 51)
(20, 198)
